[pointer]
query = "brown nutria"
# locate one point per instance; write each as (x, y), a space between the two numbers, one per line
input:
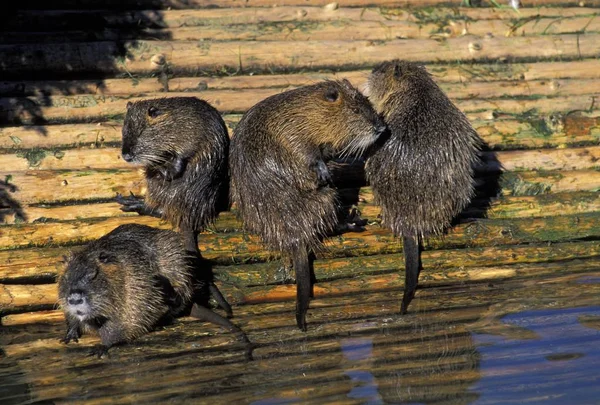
(280, 181)
(183, 144)
(422, 176)
(129, 281)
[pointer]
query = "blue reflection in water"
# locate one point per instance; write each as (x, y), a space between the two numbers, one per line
(365, 385)
(560, 366)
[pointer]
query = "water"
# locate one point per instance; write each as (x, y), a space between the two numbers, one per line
(528, 339)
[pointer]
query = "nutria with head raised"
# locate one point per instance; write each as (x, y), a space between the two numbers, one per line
(183, 144)
(422, 176)
(129, 281)
(280, 180)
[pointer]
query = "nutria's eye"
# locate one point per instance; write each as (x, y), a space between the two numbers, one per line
(355, 110)
(153, 112)
(129, 104)
(332, 95)
(104, 257)
(91, 274)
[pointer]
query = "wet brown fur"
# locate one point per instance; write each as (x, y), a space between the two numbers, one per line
(131, 279)
(183, 144)
(278, 155)
(422, 176)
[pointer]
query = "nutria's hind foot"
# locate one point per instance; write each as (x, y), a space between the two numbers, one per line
(99, 351)
(207, 315)
(137, 204)
(220, 299)
(73, 334)
(352, 223)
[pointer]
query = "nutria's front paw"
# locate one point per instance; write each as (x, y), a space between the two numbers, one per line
(136, 204)
(72, 335)
(131, 203)
(99, 350)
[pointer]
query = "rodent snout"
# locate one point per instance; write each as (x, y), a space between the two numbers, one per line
(127, 157)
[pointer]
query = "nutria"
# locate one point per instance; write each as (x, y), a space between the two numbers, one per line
(183, 144)
(129, 281)
(422, 176)
(281, 183)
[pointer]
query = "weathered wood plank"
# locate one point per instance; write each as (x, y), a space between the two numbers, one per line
(236, 56)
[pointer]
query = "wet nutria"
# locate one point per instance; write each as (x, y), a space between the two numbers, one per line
(280, 180)
(422, 176)
(183, 144)
(129, 281)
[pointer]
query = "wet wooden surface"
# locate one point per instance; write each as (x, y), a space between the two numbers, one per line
(508, 309)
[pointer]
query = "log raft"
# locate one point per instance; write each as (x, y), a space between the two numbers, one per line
(528, 80)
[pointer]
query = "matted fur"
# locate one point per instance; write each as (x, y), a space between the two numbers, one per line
(119, 275)
(189, 129)
(422, 176)
(273, 154)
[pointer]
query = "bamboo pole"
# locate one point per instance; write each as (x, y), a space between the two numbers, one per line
(236, 56)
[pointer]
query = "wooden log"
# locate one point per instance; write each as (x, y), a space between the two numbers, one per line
(192, 4)
(49, 187)
(39, 186)
(237, 56)
(469, 74)
(324, 31)
(21, 298)
(507, 207)
(527, 132)
(110, 159)
(58, 20)
(237, 247)
(88, 107)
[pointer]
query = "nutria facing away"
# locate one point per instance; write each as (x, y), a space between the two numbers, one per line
(182, 143)
(280, 180)
(129, 281)
(422, 176)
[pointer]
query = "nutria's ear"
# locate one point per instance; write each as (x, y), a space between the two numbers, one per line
(154, 112)
(397, 71)
(129, 104)
(332, 95)
(65, 259)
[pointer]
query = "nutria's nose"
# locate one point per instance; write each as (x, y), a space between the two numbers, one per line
(380, 129)
(75, 299)
(127, 157)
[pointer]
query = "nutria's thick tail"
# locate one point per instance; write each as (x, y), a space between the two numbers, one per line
(207, 315)
(301, 263)
(412, 259)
